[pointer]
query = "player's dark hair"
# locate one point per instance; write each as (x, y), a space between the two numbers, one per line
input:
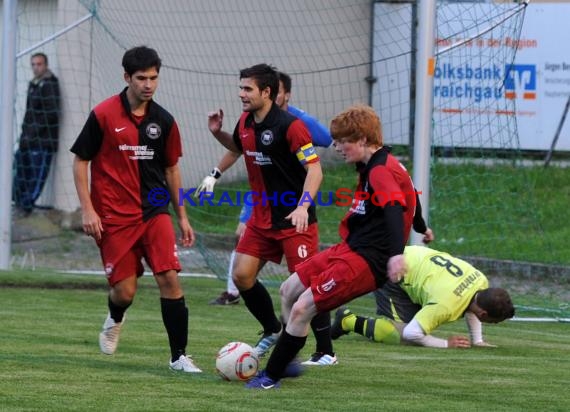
(286, 80)
(140, 58)
(43, 55)
(497, 303)
(264, 76)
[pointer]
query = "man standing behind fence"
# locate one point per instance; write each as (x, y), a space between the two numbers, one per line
(39, 138)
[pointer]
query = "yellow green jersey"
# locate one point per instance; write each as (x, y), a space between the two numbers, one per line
(442, 284)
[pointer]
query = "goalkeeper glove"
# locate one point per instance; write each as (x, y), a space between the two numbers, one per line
(208, 183)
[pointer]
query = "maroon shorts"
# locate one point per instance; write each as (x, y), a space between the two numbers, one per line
(336, 276)
(123, 247)
(272, 244)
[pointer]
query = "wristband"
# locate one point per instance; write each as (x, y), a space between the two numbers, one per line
(216, 173)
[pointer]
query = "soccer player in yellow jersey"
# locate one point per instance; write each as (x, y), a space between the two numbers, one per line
(437, 288)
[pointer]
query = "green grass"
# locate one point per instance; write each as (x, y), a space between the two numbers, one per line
(502, 212)
(51, 361)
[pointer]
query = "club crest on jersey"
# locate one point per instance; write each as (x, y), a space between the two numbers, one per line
(267, 137)
(153, 131)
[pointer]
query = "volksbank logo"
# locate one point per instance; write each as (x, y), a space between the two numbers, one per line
(466, 71)
(479, 83)
(520, 81)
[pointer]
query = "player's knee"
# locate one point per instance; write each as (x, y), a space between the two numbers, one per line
(284, 291)
(123, 296)
(169, 284)
(242, 280)
(296, 314)
(300, 313)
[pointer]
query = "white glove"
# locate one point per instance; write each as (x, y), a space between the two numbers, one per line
(208, 183)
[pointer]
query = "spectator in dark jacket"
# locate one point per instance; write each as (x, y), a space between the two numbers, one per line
(39, 138)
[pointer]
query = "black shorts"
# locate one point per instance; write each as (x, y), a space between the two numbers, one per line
(394, 303)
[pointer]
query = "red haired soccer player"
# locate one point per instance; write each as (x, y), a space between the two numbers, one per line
(371, 252)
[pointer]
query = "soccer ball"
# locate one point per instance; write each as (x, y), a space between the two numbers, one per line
(237, 361)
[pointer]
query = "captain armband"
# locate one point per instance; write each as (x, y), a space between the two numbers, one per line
(306, 153)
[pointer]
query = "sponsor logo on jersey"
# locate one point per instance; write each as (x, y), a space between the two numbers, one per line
(140, 152)
(260, 158)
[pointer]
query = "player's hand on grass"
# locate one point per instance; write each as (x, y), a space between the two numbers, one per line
(484, 344)
(458, 342)
(92, 225)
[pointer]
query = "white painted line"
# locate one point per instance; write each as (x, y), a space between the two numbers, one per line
(562, 320)
(101, 273)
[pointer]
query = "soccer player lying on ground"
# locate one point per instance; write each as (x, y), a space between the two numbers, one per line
(374, 232)
(438, 288)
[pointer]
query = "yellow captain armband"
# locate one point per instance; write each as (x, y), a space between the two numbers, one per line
(306, 153)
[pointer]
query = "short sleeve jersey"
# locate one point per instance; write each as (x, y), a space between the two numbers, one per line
(128, 157)
(364, 226)
(442, 284)
(319, 133)
(276, 175)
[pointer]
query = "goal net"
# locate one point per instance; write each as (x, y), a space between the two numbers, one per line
(338, 52)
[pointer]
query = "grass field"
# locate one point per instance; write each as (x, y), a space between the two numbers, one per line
(50, 359)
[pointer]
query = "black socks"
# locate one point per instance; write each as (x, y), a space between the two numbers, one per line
(175, 318)
(259, 303)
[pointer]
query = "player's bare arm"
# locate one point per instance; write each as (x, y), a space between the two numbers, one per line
(91, 221)
(174, 182)
(228, 160)
(476, 330)
(215, 123)
(484, 344)
(300, 216)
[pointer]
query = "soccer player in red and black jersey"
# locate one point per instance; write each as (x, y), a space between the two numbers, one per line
(132, 146)
(284, 173)
(374, 233)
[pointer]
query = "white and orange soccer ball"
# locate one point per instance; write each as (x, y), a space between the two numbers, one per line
(237, 361)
